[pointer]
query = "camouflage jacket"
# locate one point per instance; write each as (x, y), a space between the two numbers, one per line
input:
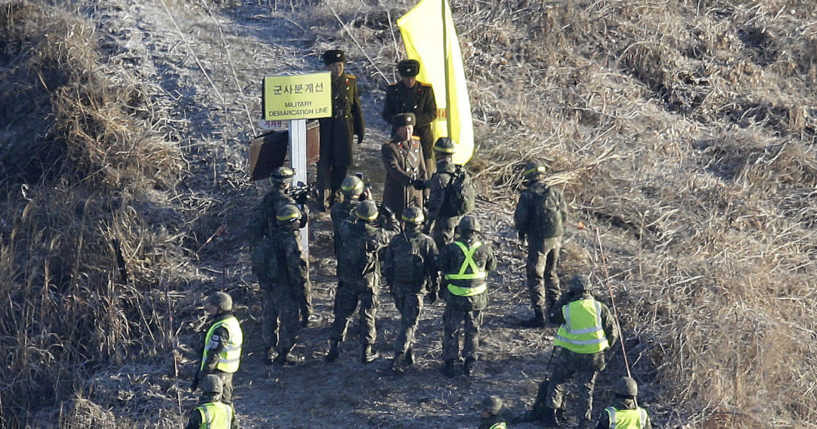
(426, 253)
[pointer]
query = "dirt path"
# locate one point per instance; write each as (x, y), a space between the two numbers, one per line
(207, 65)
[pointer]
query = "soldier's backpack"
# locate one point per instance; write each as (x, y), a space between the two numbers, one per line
(352, 257)
(548, 209)
(265, 262)
(460, 195)
(408, 263)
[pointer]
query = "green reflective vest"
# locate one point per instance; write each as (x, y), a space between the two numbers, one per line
(582, 331)
(229, 358)
(464, 283)
(626, 419)
(215, 415)
(500, 425)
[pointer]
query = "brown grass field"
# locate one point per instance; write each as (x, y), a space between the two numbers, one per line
(682, 133)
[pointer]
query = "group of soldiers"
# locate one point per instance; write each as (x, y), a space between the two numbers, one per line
(435, 251)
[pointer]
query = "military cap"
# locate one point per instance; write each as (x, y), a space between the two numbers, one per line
(222, 301)
(492, 404)
(469, 223)
(626, 386)
(334, 56)
(211, 384)
(413, 215)
(281, 174)
(580, 283)
(444, 145)
(534, 168)
(403, 119)
(366, 210)
(351, 186)
(288, 214)
(408, 68)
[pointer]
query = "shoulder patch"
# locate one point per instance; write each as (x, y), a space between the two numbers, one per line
(427, 85)
(350, 77)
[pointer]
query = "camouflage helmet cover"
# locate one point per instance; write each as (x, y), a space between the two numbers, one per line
(533, 169)
(351, 186)
(366, 210)
(444, 145)
(626, 386)
(288, 214)
(281, 175)
(413, 215)
(492, 404)
(469, 223)
(580, 283)
(211, 384)
(222, 301)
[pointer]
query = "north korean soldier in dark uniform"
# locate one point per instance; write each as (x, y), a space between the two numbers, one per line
(212, 413)
(337, 130)
(403, 162)
(540, 217)
(354, 191)
(411, 96)
(361, 242)
(221, 350)
(587, 330)
(290, 289)
(443, 216)
(625, 412)
(411, 274)
(465, 265)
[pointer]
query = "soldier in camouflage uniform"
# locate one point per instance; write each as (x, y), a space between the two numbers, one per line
(441, 221)
(289, 290)
(540, 216)
(625, 412)
(492, 414)
(587, 330)
(212, 412)
(221, 348)
(411, 274)
(411, 96)
(361, 242)
(354, 191)
(465, 265)
(337, 130)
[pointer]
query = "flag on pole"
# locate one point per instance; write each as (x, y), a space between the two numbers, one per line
(429, 36)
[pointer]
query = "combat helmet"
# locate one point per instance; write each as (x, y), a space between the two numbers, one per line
(533, 169)
(288, 214)
(366, 211)
(444, 145)
(351, 186)
(222, 301)
(492, 404)
(626, 386)
(580, 284)
(211, 384)
(413, 215)
(469, 223)
(281, 175)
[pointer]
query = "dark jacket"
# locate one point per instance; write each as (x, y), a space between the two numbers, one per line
(346, 120)
(419, 100)
(404, 163)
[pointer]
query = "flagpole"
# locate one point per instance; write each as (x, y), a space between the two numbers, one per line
(447, 77)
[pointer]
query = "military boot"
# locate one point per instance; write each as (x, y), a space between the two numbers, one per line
(334, 351)
(450, 370)
(537, 321)
(409, 359)
(468, 368)
(397, 364)
(549, 419)
(369, 355)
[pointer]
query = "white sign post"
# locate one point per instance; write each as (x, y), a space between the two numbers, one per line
(297, 159)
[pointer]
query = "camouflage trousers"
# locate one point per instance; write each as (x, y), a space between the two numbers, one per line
(567, 366)
(543, 258)
(347, 298)
(409, 305)
(269, 321)
(443, 230)
(281, 319)
(452, 318)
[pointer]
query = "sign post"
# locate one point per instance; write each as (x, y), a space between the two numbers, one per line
(298, 98)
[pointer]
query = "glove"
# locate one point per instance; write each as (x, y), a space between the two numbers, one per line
(522, 235)
(419, 184)
(359, 139)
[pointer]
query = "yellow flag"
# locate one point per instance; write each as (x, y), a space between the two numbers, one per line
(422, 31)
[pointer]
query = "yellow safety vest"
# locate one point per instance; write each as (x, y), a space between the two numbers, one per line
(582, 331)
(229, 358)
(626, 419)
(468, 284)
(500, 425)
(215, 415)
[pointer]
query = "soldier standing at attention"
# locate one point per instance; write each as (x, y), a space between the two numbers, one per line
(452, 193)
(410, 272)
(625, 412)
(540, 216)
(290, 288)
(361, 241)
(403, 161)
(411, 96)
(587, 330)
(465, 265)
(221, 351)
(337, 131)
(212, 413)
